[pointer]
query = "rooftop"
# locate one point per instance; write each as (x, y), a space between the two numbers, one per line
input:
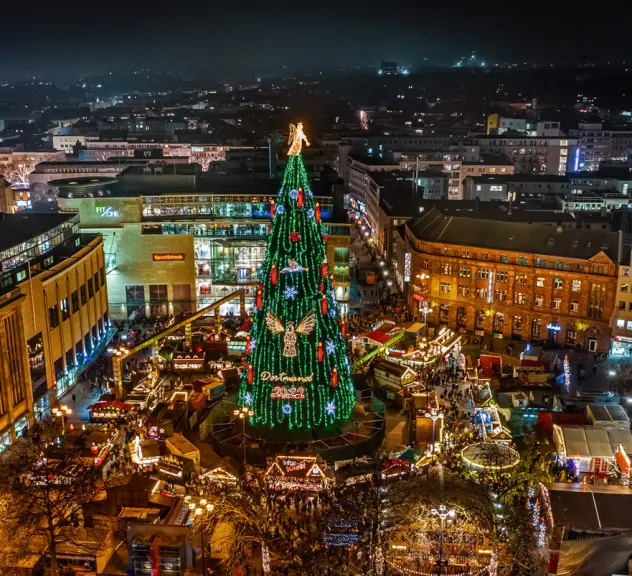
(18, 228)
(438, 225)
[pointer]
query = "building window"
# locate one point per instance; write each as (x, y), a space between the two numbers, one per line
(620, 323)
(539, 282)
(485, 255)
(463, 290)
(500, 295)
(82, 290)
(539, 300)
(465, 272)
(522, 280)
(557, 283)
(557, 303)
(90, 288)
(498, 324)
(74, 300)
(520, 298)
(53, 317)
(522, 261)
(21, 275)
(443, 312)
(503, 258)
(516, 328)
(576, 285)
(624, 287)
(480, 320)
(621, 304)
(465, 253)
(135, 295)
(461, 317)
(102, 274)
(482, 274)
(629, 325)
(65, 313)
(596, 301)
(446, 269)
(445, 250)
(96, 281)
(536, 326)
(571, 334)
(501, 276)
(444, 287)
(424, 264)
(341, 264)
(574, 307)
(481, 293)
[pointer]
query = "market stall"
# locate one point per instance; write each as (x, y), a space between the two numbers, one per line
(296, 473)
(220, 475)
(179, 446)
(109, 411)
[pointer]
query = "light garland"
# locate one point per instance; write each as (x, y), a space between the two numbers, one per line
(296, 310)
(416, 573)
(567, 373)
(265, 559)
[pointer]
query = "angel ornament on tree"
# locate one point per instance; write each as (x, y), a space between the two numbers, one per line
(297, 137)
(305, 326)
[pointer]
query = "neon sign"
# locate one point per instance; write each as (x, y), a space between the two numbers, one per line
(553, 326)
(108, 212)
(288, 393)
(407, 266)
(283, 377)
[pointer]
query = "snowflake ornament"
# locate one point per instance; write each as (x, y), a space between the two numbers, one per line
(309, 193)
(294, 194)
(330, 408)
(332, 312)
(290, 293)
(280, 209)
(310, 213)
(248, 399)
(253, 344)
(287, 409)
(330, 345)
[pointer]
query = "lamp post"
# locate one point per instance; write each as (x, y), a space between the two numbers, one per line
(243, 415)
(426, 310)
(62, 411)
(443, 513)
(435, 415)
(199, 508)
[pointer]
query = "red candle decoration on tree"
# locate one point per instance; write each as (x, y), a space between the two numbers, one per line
(324, 237)
(334, 377)
(259, 299)
(248, 344)
(295, 236)
(300, 198)
(250, 373)
(323, 269)
(343, 328)
(269, 228)
(317, 212)
(271, 208)
(320, 351)
(273, 275)
(323, 304)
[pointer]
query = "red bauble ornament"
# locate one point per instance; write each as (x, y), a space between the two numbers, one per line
(323, 269)
(320, 351)
(259, 299)
(250, 372)
(271, 208)
(323, 304)
(295, 236)
(317, 212)
(273, 275)
(334, 378)
(301, 197)
(324, 237)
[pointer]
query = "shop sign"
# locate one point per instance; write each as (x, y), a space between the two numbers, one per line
(553, 326)
(407, 266)
(168, 257)
(623, 339)
(107, 212)
(418, 297)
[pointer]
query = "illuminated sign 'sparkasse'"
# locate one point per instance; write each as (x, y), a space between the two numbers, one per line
(168, 257)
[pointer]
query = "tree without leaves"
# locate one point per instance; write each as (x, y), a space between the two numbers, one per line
(46, 489)
(16, 171)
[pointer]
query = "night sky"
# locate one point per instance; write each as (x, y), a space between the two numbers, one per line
(72, 37)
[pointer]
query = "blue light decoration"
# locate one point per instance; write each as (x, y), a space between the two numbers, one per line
(330, 345)
(287, 409)
(248, 396)
(253, 344)
(310, 213)
(279, 209)
(554, 326)
(294, 194)
(330, 407)
(290, 292)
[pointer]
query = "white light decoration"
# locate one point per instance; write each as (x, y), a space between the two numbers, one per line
(330, 408)
(297, 137)
(305, 326)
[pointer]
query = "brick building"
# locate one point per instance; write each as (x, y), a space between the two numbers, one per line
(514, 280)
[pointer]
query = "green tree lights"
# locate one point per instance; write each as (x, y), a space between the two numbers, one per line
(298, 370)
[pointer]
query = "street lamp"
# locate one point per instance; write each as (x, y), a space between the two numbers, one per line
(443, 513)
(435, 415)
(244, 414)
(198, 509)
(426, 310)
(62, 411)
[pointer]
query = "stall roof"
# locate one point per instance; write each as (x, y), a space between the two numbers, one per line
(377, 336)
(608, 413)
(590, 442)
(416, 327)
(179, 443)
(398, 370)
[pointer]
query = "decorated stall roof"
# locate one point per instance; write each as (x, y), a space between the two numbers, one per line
(296, 472)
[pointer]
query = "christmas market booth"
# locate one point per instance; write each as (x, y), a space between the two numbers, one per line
(147, 393)
(296, 473)
(179, 446)
(221, 475)
(396, 380)
(109, 411)
(395, 467)
(357, 472)
(145, 453)
(188, 361)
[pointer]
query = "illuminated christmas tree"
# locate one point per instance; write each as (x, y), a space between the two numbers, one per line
(297, 372)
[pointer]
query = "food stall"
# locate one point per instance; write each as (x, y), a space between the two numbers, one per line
(291, 473)
(145, 453)
(179, 446)
(188, 361)
(220, 475)
(108, 411)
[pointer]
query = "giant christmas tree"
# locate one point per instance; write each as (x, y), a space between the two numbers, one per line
(297, 372)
